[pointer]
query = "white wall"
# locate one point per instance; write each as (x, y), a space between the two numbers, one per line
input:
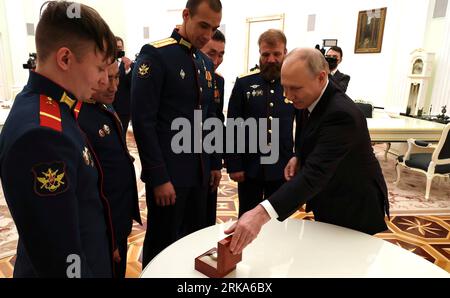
(379, 78)
(5, 61)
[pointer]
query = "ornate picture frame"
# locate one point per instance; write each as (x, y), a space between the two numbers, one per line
(369, 33)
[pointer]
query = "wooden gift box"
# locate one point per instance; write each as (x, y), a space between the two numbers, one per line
(218, 267)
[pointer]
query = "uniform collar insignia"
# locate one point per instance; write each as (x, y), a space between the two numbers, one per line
(181, 41)
(45, 86)
(254, 86)
(185, 43)
(67, 100)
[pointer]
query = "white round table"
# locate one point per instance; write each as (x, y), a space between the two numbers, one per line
(297, 248)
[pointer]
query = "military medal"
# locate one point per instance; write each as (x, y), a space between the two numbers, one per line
(216, 94)
(248, 95)
(87, 157)
(208, 77)
(106, 129)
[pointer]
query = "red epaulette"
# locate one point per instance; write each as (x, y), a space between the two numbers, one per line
(49, 113)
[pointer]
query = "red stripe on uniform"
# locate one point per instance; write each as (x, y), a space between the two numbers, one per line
(49, 113)
(77, 109)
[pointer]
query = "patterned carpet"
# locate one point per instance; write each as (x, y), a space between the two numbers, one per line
(420, 226)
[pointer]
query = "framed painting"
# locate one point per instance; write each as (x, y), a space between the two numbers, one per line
(369, 33)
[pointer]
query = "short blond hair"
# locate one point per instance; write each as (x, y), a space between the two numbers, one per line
(313, 59)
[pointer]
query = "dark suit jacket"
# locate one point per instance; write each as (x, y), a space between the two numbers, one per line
(341, 79)
(340, 179)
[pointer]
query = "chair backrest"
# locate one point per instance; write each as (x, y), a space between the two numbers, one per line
(366, 109)
(442, 153)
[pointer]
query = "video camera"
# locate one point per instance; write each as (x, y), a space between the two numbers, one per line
(120, 54)
(31, 62)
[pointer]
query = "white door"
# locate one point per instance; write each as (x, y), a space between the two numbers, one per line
(255, 27)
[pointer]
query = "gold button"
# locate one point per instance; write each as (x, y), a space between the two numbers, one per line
(271, 91)
(270, 144)
(270, 131)
(270, 118)
(271, 104)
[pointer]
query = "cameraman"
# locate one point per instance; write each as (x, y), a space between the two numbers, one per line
(122, 100)
(338, 77)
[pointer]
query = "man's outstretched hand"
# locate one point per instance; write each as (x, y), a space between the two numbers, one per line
(247, 228)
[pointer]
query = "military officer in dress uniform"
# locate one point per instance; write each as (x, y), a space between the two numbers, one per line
(48, 170)
(259, 95)
(215, 49)
(173, 79)
(103, 128)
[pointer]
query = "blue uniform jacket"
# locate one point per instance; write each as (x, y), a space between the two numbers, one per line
(170, 80)
(104, 131)
(253, 97)
(50, 180)
(217, 111)
(122, 102)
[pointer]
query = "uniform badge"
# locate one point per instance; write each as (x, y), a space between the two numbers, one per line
(104, 131)
(216, 95)
(259, 93)
(248, 95)
(254, 86)
(50, 101)
(144, 70)
(50, 179)
(88, 157)
(208, 78)
(287, 101)
(254, 93)
(182, 74)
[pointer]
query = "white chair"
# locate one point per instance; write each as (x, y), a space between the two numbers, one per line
(436, 163)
